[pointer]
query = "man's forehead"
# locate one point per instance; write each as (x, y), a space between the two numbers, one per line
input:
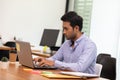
(66, 22)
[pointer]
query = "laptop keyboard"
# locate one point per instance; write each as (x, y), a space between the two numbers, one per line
(44, 67)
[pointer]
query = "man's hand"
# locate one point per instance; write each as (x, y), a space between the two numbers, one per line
(38, 59)
(42, 61)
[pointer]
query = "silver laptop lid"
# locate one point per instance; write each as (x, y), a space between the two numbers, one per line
(24, 53)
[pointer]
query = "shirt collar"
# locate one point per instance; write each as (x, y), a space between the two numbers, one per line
(78, 40)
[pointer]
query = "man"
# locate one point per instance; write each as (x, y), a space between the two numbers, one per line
(78, 52)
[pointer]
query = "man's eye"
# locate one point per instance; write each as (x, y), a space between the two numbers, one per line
(65, 29)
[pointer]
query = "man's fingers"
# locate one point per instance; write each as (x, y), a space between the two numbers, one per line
(39, 60)
(36, 59)
(41, 63)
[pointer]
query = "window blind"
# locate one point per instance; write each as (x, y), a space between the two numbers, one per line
(84, 9)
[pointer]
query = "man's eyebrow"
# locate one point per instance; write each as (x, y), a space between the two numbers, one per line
(64, 27)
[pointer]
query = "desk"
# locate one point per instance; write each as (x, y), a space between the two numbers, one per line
(5, 48)
(15, 71)
(38, 50)
(4, 51)
(38, 53)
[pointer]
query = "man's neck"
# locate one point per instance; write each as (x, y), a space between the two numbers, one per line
(78, 36)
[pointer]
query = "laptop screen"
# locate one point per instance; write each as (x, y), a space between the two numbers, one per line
(49, 37)
(25, 56)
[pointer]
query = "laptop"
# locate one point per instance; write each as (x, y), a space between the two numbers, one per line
(49, 37)
(25, 56)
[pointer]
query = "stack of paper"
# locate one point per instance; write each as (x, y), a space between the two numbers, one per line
(80, 74)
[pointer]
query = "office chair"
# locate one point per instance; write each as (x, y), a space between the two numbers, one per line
(11, 44)
(101, 56)
(109, 66)
(54, 49)
(4, 53)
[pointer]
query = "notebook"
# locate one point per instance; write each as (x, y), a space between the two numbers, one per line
(25, 56)
(60, 76)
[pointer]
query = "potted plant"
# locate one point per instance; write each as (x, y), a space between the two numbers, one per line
(4, 61)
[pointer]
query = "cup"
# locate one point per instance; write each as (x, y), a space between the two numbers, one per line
(12, 57)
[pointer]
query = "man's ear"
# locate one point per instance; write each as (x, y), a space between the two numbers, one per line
(76, 28)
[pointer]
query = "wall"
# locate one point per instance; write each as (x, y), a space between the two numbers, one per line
(26, 19)
(105, 28)
(118, 59)
(105, 25)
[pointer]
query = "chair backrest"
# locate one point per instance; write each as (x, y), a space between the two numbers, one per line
(101, 56)
(98, 69)
(10, 44)
(109, 66)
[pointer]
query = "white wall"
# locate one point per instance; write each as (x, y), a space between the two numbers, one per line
(105, 25)
(105, 28)
(26, 19)
(118, 59)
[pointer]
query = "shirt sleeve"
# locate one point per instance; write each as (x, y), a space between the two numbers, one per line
(58, 55)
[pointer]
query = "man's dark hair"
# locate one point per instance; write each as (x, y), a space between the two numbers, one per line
(74, 19)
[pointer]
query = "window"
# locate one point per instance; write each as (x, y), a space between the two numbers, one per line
(84, 9)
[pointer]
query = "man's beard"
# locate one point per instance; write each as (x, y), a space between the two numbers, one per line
(72, 37)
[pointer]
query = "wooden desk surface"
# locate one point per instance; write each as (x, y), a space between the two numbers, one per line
(38, 53)
(5, 48)
(15, 71)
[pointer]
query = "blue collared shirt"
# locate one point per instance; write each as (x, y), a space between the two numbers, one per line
(81, 57)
